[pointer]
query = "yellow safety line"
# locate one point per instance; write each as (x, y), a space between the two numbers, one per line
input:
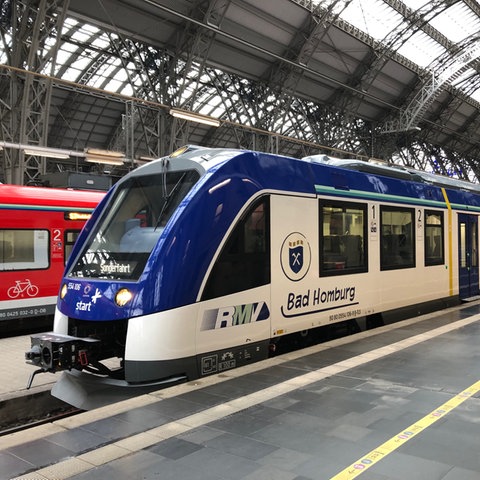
(371, 458)
(450, 245)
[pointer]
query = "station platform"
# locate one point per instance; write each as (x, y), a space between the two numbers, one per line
(15, 373)
(400, 401)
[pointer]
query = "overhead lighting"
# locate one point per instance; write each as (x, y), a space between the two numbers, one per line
(109, 157)
(46, 152)
(195, 117)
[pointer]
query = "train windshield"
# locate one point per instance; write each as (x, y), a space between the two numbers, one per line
(131, 224)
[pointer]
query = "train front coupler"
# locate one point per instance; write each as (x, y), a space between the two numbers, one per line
(54, 352)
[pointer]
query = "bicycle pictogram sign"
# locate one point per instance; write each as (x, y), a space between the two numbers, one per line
(22, 286)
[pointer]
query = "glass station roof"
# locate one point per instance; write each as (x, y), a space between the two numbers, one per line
(402, 31)
(426, 47)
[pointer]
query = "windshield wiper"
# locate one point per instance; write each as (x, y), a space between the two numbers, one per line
(167, 200)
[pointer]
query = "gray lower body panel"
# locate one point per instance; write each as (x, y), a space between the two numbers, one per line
(138, 372)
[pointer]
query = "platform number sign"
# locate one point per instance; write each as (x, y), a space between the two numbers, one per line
(419, 224)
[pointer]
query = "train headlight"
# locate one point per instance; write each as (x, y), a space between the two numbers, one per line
(123, 296)
(63, 291)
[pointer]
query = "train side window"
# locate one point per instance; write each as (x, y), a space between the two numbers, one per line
(397, 242)
(343, 233)
(244, 262)
(24, 249)
(69, 241)
(434, 239)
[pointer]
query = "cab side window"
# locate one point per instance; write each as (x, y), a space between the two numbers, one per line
(244, 262)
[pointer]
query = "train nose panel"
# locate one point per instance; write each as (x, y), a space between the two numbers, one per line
(98, 301)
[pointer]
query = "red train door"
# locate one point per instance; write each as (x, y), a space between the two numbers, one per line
(468, 256)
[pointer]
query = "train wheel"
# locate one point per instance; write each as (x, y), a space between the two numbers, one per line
(305, 338)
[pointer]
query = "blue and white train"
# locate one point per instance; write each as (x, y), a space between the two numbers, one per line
(200, 262)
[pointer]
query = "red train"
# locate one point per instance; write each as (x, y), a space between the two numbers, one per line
(38, 227)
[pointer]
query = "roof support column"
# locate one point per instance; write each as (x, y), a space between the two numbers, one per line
(33, 24)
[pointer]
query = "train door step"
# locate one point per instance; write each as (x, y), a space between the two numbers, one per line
(471, 299)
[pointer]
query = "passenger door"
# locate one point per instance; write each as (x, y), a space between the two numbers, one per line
(468, 256)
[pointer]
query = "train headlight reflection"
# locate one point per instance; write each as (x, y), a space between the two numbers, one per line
(63, 291)
(123, 296)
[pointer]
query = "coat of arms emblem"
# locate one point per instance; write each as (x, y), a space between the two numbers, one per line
(296, 255)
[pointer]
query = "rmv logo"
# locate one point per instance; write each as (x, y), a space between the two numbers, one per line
(233, 316)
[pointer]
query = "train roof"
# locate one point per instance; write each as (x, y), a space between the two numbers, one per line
(396, 171)
(203, 155)
(25, 195)
(414, 184)
(323, 174)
